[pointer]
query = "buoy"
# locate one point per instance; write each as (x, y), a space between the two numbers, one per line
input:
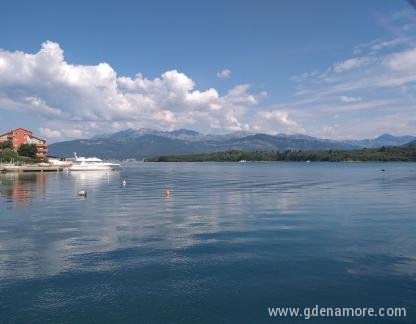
(383, 170)
(124, 183)
(167, 193)
(82, 193)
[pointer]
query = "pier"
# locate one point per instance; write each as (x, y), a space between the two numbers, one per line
(31, 168)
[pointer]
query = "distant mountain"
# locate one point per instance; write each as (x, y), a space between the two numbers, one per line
(141, 143)
(120, 147)
(281, 142)
(182, 134)
(412, 143)
(382, 140)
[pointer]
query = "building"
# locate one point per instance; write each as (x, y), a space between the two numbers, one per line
(21, 136)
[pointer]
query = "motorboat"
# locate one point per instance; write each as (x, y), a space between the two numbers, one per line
(91, 164)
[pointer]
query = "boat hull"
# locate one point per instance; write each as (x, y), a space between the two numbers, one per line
(94, 167)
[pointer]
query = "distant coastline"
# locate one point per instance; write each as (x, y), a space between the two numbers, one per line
(383, 154)
(144, 143)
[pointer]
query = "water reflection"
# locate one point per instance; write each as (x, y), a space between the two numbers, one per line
(20, 188)
(225, 228)
(93, 179)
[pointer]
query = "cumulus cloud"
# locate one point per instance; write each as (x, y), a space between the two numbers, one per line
(224, 74)
(278, 120)
(50, 133)
(78, 101)
(85, 99)
(53, 134)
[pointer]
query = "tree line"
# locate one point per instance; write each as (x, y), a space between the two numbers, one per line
(25, 152)
(383, 154)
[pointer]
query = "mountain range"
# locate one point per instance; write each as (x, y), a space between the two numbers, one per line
(141, 143)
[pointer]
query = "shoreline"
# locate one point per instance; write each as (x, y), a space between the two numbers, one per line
(383, 154)
(30, 168)
(285, 161)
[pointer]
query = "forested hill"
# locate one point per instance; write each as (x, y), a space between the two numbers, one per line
(142, 143)
(384, 154)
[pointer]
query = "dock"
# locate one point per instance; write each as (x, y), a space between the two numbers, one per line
(31, 168)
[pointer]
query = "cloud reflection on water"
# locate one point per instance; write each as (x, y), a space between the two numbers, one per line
(243, 211)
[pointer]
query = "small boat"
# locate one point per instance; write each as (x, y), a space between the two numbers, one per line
(91, 164)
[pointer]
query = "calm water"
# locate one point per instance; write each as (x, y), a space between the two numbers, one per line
(230, 241)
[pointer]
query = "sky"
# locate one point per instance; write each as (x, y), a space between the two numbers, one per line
(332, 69)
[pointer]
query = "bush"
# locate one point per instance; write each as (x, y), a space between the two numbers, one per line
(28, 150)
(5, 145)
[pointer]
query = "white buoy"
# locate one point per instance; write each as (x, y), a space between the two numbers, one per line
(82, 193)
(124, 183)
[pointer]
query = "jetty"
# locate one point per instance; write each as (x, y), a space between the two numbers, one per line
(31, 168)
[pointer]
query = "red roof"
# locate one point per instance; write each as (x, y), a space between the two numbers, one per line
(11, 131)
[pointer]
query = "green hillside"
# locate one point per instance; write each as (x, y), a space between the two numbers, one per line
(383, 154)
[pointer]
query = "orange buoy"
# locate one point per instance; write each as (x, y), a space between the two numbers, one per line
(167, 193)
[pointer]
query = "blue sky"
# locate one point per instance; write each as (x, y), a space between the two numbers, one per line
(324, 68)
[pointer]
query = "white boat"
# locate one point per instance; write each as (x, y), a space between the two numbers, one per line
(91, 164)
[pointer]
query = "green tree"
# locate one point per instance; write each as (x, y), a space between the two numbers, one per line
(8, 154)
(28, 150)
(5, 144)
(387, 153)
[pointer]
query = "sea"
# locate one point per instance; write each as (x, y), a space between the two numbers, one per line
(231, 242)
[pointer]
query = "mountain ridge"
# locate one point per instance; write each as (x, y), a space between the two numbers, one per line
(143, 143)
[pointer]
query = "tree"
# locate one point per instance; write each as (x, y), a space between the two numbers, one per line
(8, 154)
(28, 150)
(5, 144)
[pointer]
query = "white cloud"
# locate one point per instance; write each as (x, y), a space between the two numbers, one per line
(92, 98)
(78, 101)
(278, 120)
(224, 74)
(384, 73)
(64, 132)
(50, 133)
(378, 45)
(240, 95)
(350, 99)
(404, 61)
(351, 63)
(386, 44)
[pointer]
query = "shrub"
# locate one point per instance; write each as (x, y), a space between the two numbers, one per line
(28, 150)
